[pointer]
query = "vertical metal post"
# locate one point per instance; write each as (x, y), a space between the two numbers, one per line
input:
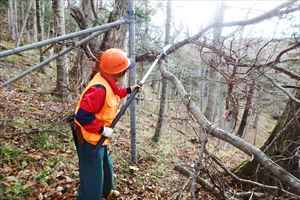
(132, 79)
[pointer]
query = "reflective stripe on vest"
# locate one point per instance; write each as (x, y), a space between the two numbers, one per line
(107, 113)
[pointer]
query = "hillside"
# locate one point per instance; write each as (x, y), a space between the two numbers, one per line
(38, 157)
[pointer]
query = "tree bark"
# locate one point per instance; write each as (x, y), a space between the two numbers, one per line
(112, 38)
(87, 9)
(10, 18)
(243, 124)
(24, 22)
(282, 146)
(40, 28)
(116, 37)
(61, 62)
(162, 110)
(164, 89)
(14, 10)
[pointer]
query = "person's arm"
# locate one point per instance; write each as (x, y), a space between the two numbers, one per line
(124, 91)
(90, 104)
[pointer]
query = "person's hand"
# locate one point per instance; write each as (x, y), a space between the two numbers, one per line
(134, 87)
(107, 132)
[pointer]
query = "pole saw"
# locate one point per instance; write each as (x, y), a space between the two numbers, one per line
(162, 55)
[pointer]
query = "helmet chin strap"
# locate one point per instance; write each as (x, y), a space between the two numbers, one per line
(114, 76)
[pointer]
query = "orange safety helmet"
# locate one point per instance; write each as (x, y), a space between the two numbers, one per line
(114, 61)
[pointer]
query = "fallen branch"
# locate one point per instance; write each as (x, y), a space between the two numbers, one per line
(249, 195)
(216, 160)
(204, 183)
(215, 191)
(288, 180)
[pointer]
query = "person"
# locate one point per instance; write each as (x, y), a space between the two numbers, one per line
(96, 109)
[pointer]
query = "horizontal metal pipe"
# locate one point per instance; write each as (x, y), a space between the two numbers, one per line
(45, 62)
(63, 37)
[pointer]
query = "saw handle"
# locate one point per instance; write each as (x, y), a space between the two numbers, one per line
(119, 115)
(124, 107)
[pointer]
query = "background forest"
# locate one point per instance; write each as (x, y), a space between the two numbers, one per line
(217, 119)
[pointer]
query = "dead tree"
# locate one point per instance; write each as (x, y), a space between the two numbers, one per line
(164, 89)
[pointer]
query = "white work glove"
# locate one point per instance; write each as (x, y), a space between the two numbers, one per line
(107, 132)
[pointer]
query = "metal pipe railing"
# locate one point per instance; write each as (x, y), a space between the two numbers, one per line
(63, 37)
(47, 61)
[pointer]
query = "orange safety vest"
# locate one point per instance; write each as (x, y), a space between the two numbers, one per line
(107, 113)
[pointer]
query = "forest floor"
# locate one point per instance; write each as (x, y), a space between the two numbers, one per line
(38, 156)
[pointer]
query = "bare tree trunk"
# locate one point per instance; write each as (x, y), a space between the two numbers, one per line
(87, 11)
(24, 22)
(214, 88)
(203, 89)
(164, 90)
(34, 32)
(256, 113)
(40, 28)
(17, 21)
(83, 70)
(116, 37)
(10, 20)
(243, 124)
(212, 95)
(14, 17)
(112, 38)
(61, 62)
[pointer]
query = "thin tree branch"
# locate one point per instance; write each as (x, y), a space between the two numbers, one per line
(204, 183)
(277, 11)
(94, 10)
(294, 46)
(272, 13)
(281, 132)
(282, 89)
